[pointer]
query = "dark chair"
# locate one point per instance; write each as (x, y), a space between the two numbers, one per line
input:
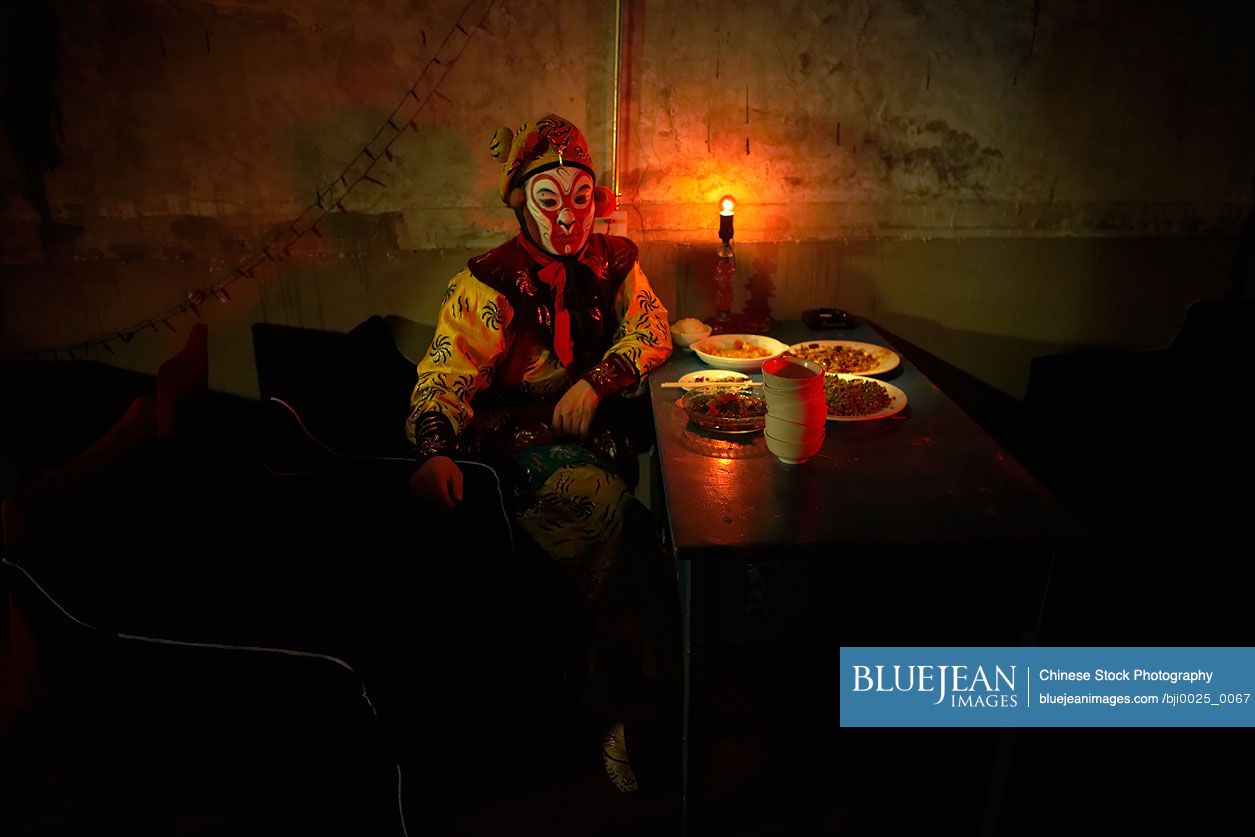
(273, 545)
(1147, 447)
(1143, 443)
(169, 631)
(498, 609)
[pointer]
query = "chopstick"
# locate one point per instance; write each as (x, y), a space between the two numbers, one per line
(732, 382)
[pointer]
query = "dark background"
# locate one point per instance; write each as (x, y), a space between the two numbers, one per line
(1027, 197)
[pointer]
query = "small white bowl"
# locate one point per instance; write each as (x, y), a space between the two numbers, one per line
(793, 453)
(796, 408)
(739, 364)
(790, 431)
(807, 373)
(686, 339)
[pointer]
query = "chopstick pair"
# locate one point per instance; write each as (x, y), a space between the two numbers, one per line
(733, 382)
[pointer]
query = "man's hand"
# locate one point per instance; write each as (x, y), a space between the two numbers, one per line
(574, 412)
(438, 482)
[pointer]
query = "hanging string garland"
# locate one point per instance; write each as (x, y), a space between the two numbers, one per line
(327, 199)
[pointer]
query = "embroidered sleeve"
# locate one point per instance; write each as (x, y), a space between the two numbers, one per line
(471, 338)
(642, 342)
(433, 435)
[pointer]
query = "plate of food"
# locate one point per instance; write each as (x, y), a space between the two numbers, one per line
(848, 356)
(738, 352)
(859, 398)
(711, 376)
(725, 410)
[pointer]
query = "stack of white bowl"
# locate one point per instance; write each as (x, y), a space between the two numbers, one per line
(796, 408)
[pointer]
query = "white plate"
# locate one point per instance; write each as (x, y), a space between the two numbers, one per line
(740, 364)
(887, 359)
(897, 399)
(710, 375)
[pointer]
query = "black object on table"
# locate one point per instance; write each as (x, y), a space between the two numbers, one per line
(928, 480)
(824, 318)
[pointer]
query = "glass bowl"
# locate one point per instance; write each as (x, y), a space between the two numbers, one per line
(730, 409)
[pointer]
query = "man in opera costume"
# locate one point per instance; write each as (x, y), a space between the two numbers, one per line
(540, 346)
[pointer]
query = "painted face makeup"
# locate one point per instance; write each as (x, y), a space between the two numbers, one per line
(560, 209)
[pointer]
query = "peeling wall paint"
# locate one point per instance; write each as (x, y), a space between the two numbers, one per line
(237, 111)
(861, 118)
(163, 142)
(945, 118)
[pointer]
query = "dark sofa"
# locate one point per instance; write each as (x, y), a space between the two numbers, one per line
(239, 610)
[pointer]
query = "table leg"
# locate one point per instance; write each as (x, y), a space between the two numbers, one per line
(1006, 742)
(697, 581)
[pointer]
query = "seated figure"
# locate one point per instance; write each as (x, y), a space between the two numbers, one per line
(539, 345)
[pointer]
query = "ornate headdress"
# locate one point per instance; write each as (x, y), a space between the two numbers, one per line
(539, 145)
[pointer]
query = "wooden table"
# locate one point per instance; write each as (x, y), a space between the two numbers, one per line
(926, 478)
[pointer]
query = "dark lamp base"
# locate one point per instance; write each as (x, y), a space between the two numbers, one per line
(728, 323)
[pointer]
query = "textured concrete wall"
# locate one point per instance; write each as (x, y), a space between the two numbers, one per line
(148, 146)
(189, 128)
(942, 118)
(186, 126)
(987, 305)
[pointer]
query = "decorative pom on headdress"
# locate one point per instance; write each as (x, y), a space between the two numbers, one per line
(499, 143)
(605, 202)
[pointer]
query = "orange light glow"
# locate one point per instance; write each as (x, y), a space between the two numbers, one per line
(729, 203)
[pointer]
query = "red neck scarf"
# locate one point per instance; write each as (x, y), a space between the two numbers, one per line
(553, 273)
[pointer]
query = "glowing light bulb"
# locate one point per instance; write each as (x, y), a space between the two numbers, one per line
(725, 219)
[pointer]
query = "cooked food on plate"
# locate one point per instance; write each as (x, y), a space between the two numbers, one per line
(731, 405)
(837, 358)
(737, 348)
(854, 398)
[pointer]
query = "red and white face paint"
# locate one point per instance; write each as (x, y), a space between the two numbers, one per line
(560, 209)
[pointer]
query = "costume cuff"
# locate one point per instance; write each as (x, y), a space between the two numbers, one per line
(433, 436)
(611, 375)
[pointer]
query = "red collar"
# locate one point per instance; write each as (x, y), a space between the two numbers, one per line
(545, 258)
(553, 273)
